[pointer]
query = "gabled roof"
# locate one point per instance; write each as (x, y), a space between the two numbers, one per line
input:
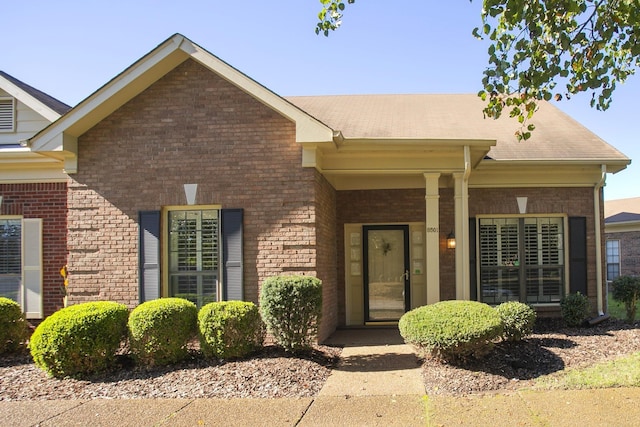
(612, 207)
(622, 217)
(46, 105)
(61, 137)
(557, 136)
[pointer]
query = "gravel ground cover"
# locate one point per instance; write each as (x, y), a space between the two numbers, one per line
(273, 373)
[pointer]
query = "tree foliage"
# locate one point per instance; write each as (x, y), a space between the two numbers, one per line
(546, 49)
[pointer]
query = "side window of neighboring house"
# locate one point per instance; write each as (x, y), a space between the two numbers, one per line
(613, 259)
(521, 259)
(7, 115)
(21, 263)
(191, 252)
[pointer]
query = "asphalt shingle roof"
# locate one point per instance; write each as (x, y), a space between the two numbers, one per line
(440, 116)
(51, 102)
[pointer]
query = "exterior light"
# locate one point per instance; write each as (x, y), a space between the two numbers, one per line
(451, 241)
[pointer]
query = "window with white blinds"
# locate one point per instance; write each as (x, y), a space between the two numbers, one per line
(521, 259)
(613, 259)
(10, 258)
(194, 255)
(7, 115)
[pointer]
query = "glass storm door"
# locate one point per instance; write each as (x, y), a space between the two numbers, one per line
(386, 271)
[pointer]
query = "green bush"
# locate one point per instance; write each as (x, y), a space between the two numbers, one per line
(626, 289)
(575, 309)
(517, 318)
(230, 329)
(160, 330)
(291, 307)
(13, 327)
(452, 330)
(79, 339)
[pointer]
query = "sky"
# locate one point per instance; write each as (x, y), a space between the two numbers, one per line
(69, 49)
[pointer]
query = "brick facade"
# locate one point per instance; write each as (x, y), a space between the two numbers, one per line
(192, 126)
(629, 251)
(49, 202)
(404, 206)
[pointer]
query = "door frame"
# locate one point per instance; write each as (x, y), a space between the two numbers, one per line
(365, 267)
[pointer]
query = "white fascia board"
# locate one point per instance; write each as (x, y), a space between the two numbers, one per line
(612, 165)
(28, 100)
(308, 128)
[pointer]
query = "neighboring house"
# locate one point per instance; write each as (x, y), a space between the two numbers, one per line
(188, 178)
(33, 202)
(622, 231)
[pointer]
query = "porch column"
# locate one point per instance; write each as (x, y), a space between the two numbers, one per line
(461, 205)
(432, 244)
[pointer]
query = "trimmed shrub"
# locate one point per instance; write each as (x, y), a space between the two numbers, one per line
(517, 318)
(79, 339)
(575, 308)
(291, 307)
(230, 329)
(626, 289)
(452, 330)
(13, 327)
(160, 330)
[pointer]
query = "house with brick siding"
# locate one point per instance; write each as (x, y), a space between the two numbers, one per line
(33, 202)
(622, 231)
(188, 178)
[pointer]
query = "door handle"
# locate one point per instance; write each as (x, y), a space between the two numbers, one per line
(405, 275)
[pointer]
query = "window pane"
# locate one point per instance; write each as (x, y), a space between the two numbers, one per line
(194, 255)
(10, 258)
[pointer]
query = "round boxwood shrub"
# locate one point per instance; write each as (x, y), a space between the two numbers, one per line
(575, 308)
(517, 318)
(159, 330)
(452, 330)
(230, 329)
(13, 327)
(291, 307)
(79, 339)
(626, 289)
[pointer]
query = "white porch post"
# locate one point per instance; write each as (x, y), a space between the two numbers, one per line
(432, 244)
(461, 203)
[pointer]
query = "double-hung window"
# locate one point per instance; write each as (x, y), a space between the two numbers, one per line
(194, 254)
(21, 263)
(521, 259)
(613, 259)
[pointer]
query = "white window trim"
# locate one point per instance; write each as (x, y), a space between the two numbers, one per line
(607, 263)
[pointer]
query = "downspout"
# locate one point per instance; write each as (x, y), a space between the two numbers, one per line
(598, 227)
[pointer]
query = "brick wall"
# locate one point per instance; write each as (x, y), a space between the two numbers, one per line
(192, 127)
(49, 202)
(629, 251)
(326, 254)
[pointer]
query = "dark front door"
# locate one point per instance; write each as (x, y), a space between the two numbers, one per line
(386, 272)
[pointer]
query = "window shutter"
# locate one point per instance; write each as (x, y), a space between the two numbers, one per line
(149, 257)
(473, 278)
(32, 268)
(232, 268)
(578, 255)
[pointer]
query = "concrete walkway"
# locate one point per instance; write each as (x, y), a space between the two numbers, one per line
(375, 384)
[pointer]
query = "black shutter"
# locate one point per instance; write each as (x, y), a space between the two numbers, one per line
(473, 278)
(149, 256)
(232, 270)
(578, 255)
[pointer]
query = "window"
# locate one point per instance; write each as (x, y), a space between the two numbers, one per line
(7, 115)
(21, 263)
(10, 258)
(194, 255)
(613, 259)
(521, 259)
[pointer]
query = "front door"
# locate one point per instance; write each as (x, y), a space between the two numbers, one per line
(386, 272)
